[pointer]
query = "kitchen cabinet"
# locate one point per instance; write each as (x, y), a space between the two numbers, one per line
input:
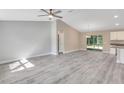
(113, 51)
(113, 35)
(120, 55)
(120, 35)
(117, 35)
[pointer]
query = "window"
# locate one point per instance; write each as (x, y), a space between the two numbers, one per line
(95, 42)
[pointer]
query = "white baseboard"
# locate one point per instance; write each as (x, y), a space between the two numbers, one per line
(53, 53)
(8, 61)
(43, 54)
(12, 60)
(83, 49)
(71, 51)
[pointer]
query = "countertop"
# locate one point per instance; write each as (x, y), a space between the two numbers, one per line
(117, 46)
(117, 43)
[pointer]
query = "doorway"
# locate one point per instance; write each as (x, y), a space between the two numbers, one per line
(95, 42)
(60, 42)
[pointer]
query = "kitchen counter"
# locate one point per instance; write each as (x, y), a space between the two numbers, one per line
(117, 46)
(118, 50)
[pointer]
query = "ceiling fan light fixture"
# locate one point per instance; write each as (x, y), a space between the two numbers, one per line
(50, 16)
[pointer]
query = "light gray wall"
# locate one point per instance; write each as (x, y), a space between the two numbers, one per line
(22, 39)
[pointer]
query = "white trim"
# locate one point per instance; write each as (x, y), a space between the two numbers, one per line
(44, 54)
(53, 53)
(8, 61)
(83, 49)
(71, 51)
(12, 60)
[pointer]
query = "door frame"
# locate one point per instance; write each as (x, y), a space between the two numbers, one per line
(58, 36)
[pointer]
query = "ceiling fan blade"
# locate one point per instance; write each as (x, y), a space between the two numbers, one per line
(57, 12)
(57, 16)
(42, 15)
(45, 11)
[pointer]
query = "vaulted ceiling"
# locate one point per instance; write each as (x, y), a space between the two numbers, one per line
(81, 19)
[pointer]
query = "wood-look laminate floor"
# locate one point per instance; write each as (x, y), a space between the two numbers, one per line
(82, 67)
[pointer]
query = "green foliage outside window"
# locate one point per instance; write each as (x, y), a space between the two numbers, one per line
(95, 41)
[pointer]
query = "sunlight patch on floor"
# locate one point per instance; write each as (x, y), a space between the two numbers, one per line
(20, 65)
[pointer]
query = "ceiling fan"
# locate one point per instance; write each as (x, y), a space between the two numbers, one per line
(51, 13)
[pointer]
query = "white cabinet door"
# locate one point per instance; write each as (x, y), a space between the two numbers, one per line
(113, 35)
(122, 56)
(120, 35)
(112, 51)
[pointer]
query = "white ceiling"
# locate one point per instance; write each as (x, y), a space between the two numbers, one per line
(81, 19)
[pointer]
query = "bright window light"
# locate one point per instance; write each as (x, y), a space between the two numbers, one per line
(14, 65)
(18, 69)
(20, 65)
(29, 65)
(23, 60)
